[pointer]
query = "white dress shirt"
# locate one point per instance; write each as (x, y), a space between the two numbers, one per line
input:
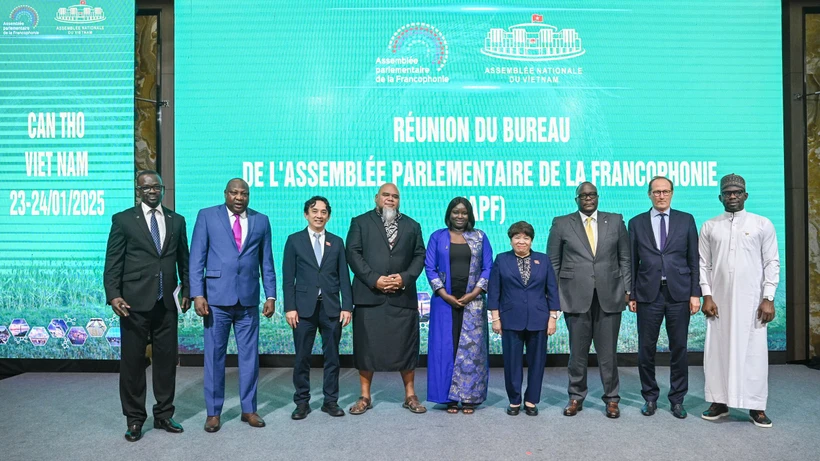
(146, 211)
(656, 225)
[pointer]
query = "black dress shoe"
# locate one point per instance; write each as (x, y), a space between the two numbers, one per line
(332, 408)
(301, 411)
(168, 425)
(678, 411)
(648, 408)
(531, 411)
(513, 411)
(133, 433)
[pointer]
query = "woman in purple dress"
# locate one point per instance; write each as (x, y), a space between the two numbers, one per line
(458, 263)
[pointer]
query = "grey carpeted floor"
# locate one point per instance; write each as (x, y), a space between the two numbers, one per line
(77, 416)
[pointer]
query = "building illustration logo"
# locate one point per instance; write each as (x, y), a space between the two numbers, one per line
(26, 15)
(417, 39)
(533, 41)
(80, 14)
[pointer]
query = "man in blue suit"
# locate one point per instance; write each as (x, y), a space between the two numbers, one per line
(665, 283)
(317, 294)
(230, 248)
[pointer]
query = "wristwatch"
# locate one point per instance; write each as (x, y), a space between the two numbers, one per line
(769, 298)
(555, 314)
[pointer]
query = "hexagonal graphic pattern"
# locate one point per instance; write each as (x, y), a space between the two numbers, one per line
(113, 337)
(96, 327)
(19, 328)
(77, 336)
(38, 336)
(5, 334)
(57, 328)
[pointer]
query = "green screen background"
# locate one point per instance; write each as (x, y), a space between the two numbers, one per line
(661, 81)
(296, 81)
(51, 265)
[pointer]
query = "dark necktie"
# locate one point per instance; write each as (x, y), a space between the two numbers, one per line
(157, 244)
(663, 231)
(663, 241)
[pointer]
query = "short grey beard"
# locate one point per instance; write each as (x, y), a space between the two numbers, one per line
(389, 214)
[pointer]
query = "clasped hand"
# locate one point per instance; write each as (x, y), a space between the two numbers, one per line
(389, 283)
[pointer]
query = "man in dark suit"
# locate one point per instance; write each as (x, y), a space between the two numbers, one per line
(317, 294)
(385, 250)
(230, 248)
(146, 258)
(589, 251)
(665, 283)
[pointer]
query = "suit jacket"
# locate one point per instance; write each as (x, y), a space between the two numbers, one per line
(679, 259)
(220, 272)
(580, 273)
(303, 277)
(370, 257)
(523, 307)
(132, 265)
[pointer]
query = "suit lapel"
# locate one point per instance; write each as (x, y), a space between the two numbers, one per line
(671, 232)
(513, 266)
(578, 227)
(603, 228)
(647, 223)
(535, 265)
(169, 228)
(382, 231)
(222, 215)
(251, 223)
(142, 224)
(327, 248)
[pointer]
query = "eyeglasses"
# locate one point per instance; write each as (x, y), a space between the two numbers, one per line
(590, 196)
(658, 193)
(731, 193)
(156, 188)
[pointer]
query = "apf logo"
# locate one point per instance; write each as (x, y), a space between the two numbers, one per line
(533, 41)
(80, 14)
(417, 39)
(26, 15)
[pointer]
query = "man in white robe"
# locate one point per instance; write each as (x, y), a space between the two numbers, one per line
(739, 272)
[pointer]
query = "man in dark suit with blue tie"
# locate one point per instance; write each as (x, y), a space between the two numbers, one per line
(317, 295)
(230, 249)
(147, 255)
(665, 284)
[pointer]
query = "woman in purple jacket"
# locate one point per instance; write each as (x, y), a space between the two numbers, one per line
(458, 265)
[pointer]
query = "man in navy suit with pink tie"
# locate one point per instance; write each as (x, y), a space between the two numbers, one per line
(665, 284)
(230, 250)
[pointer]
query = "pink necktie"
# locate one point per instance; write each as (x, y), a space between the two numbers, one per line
(237, 233)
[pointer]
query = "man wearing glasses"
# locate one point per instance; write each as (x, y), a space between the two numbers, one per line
(147, 256)
(589, 250)
(664, 285)
(739, 272)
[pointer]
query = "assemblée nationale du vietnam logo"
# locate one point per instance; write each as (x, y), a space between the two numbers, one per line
(81, 13)
(533, 41)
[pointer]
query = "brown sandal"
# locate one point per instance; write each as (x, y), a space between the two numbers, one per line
(467, 408)
(452, 408)
(412, 403)
(361, 406)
